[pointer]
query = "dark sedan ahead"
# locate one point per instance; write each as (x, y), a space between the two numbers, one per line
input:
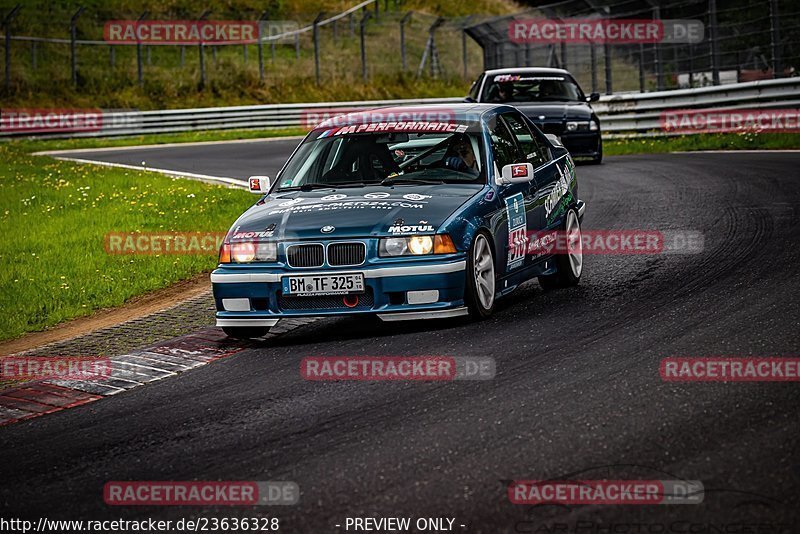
(552, 99)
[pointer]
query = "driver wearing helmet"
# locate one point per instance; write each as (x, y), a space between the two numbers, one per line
(461, 157)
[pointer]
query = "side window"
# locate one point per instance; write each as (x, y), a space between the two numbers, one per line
(503, 146)
(534, 153)
(334, 155)
(542, 142)
(473, 91)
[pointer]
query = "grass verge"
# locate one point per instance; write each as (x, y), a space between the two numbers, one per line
(699, 142)
(55, 216)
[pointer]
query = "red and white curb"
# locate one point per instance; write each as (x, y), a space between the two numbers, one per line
(38, 399)
(32, 399)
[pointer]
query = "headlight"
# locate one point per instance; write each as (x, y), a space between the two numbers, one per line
(582, 126)
(422, 244)
(248, 251)
(267, 251)
(394, 246)
(243, 252)
(416, 245)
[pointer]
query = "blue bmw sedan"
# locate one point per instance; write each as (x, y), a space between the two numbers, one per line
(401, 213)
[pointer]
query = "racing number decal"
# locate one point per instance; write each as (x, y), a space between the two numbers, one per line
(517, 226)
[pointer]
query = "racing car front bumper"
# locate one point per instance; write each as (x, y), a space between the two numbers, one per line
(253, 295)
(582, 144)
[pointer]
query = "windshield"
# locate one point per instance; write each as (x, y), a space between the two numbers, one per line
(356, 159)
(532, 88)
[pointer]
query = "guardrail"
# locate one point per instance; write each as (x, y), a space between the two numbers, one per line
(634, 114)
(641, 112)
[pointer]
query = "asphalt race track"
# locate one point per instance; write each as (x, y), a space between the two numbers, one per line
(230, 160)
(577, 393)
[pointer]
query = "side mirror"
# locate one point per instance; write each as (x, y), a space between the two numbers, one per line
(517, 173)
(470, 100)
(259, 184)
(594, 97)
(554, 139)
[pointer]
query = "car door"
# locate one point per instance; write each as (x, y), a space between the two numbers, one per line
(556, 187)
(517, 199)
(534, 147)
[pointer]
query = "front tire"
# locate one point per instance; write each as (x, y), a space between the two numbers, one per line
(598, 159)
(480, 285)
(245, 332)
(569, 266)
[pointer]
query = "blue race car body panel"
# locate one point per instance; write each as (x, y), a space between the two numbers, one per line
(325, 222)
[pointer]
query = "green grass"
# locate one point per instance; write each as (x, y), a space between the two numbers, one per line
(55, 215)
(232, 80)
(699, 142)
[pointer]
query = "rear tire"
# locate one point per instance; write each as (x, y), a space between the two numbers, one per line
(480, 287)
(569, 267)
(245, 332)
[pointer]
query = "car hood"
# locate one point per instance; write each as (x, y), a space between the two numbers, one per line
(552, 111)
(353, 212)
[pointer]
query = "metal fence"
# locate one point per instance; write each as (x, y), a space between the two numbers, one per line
(743, 41)
(364, 10)
(620, 115)
(373, 37)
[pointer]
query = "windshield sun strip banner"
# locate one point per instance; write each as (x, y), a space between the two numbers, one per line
(503, 78)
(395, 127)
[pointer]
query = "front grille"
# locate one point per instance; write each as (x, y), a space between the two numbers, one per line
(312, 255)
(342, 254)
(556, 128)
(325, 302)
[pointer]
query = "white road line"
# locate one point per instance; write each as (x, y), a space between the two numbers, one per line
(164, 145)
(232, 182)
(182, 366)
(140, 366)
(89, 386)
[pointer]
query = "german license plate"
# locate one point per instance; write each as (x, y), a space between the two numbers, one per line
(328, 284)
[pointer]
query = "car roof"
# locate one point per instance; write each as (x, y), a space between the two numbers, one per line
(527, 70)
